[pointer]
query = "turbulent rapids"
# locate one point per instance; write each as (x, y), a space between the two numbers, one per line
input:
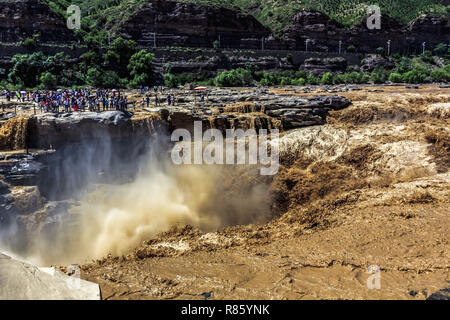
(360, 185)
(95, 219)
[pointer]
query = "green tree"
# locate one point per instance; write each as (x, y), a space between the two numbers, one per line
(141, 68)
(110, 79)
(48, 80)
(57, 64)
(124, 48)
(170, 80)
(94, 77)
(90, 58)
(441, 49)
(26, 69)
(111, 57)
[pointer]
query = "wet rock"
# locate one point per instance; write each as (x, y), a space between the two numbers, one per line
(27, 199)
(303, 112)
(20, 169)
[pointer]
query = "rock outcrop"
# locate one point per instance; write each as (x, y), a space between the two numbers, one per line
(374, 61)
(317, 66)
(184, 24)
(57, 130)
(258, 109)
(20, 19)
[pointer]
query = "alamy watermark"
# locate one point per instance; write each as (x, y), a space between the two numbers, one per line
(374, 280)
(259, 149)
(74, 19)
(374, 19)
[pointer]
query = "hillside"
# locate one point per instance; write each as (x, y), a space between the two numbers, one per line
(274, 14)
(277, 14)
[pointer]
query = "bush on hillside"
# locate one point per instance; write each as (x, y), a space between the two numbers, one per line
(395, 77)
(234, 78)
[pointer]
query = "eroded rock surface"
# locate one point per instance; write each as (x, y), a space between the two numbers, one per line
(20, 19)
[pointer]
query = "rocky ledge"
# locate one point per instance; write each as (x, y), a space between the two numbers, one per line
(221, 109)
(256, 109)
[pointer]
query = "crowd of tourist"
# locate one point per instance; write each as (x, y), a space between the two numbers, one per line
(80, 100)
(72, 100)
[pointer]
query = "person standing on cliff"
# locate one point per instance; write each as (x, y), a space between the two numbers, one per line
(66, 105)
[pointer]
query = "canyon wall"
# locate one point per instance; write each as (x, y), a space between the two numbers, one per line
(324, 34)
(20, 19)
(182, 24)
(191, 25)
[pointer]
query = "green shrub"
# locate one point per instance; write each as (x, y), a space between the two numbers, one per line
(378, 76)
(403, 65)
(395, 77)
(439, 75)
(327, 78)
(299, 82)
(285, 81)
(234, 78)
(167, 68)
(311, 79)
(414, 76)
(355, 78)
(111, 57)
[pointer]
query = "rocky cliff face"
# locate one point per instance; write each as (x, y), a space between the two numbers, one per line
(324, 34)
(59, 130)
(20, 19)
(182, 24)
